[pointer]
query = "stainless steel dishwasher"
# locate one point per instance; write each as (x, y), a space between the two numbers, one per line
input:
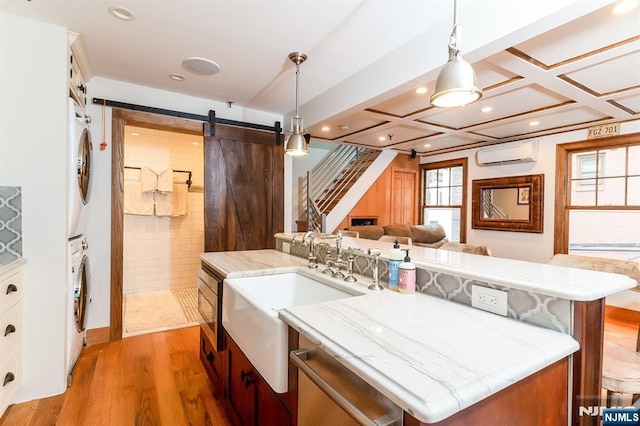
(330, 394)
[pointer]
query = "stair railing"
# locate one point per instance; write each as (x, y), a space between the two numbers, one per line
(331, 178)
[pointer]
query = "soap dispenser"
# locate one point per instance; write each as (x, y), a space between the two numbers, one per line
(407, 275)
(395, 259)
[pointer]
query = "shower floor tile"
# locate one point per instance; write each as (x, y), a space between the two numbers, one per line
(157, 311)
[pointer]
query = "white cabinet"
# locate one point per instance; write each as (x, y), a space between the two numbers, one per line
(77, 72)
(10, 335)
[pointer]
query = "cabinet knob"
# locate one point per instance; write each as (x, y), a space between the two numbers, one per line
(8, 379)
(247, 378)
(11, 288)
(10, 329)
(210, 356)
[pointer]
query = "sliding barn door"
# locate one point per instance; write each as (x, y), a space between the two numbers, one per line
(244, 194)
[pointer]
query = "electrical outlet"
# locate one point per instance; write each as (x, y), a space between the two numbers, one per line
(286, 247)
(489, 299)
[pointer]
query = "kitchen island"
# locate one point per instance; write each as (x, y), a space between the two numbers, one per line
(435, 358)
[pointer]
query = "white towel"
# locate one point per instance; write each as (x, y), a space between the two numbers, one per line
(172, 203)
(149, 179)
(136, 201)
(165, 181)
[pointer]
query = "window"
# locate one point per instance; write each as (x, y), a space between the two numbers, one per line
(590, 166)
(602, 200)
(443, 196)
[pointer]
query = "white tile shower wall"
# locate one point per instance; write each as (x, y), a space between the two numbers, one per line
(162, 253)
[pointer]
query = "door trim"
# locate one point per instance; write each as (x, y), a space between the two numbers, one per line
(120, 118)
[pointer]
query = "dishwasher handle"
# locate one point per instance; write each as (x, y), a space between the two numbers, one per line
(298, 357)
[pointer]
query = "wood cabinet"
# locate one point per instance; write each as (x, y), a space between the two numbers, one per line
(76, 75)
(10, 335)
(248, 398)
(540, 399)
(213, 364)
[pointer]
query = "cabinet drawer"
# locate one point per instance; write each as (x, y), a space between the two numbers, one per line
(212, 362)
(10, 331)
(10, 290)
(9, 373)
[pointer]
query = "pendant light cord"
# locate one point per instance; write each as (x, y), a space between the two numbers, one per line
(297, 76)
(453, 38)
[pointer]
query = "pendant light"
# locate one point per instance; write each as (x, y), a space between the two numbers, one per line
(456, 84)
(296, 144)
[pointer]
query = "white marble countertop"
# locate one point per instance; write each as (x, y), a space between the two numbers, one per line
(558, 281)
(9, 266)
(432, 357)
(402, 344)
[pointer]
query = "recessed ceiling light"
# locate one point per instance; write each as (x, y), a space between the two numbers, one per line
(382, 138)
(427, 145)
(195, 143)
(325, 128)
(343, 127)
(487, 109)
(177, 77)
(625, 6)
(534, 123)
(200, 66)
(135, 134)
(421, 90)
(121, 12)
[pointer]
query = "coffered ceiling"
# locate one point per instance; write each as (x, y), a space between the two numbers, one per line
(545, 66)
(583, 73)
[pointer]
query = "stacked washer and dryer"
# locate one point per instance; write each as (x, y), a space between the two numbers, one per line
(77, 291)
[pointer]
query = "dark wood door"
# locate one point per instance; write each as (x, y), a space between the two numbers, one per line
(244, 194)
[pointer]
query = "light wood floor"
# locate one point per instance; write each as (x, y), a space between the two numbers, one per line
(157, 379)
(151, 379)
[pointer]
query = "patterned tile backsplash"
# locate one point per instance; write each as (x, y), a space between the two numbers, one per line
(543, 310)
(10, 223)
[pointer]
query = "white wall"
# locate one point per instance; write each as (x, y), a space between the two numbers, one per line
(33, 143)
(99, 221)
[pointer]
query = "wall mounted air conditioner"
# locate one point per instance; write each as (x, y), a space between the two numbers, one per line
(508, 153)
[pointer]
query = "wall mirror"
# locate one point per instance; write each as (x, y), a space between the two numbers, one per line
(514, 203)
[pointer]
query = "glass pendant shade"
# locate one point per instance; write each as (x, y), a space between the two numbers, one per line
(456, 85)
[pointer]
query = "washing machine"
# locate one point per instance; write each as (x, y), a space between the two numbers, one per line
(77, 296)
(79, 179)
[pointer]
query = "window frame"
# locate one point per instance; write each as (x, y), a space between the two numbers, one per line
(564, 171)
(457, 162)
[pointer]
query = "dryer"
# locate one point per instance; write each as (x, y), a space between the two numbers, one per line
(78, 299)
(79, 179)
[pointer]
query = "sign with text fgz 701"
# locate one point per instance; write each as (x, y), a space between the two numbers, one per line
(603, 131)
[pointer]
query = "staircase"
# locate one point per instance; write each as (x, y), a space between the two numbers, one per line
(489, 209)
(334, 177)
